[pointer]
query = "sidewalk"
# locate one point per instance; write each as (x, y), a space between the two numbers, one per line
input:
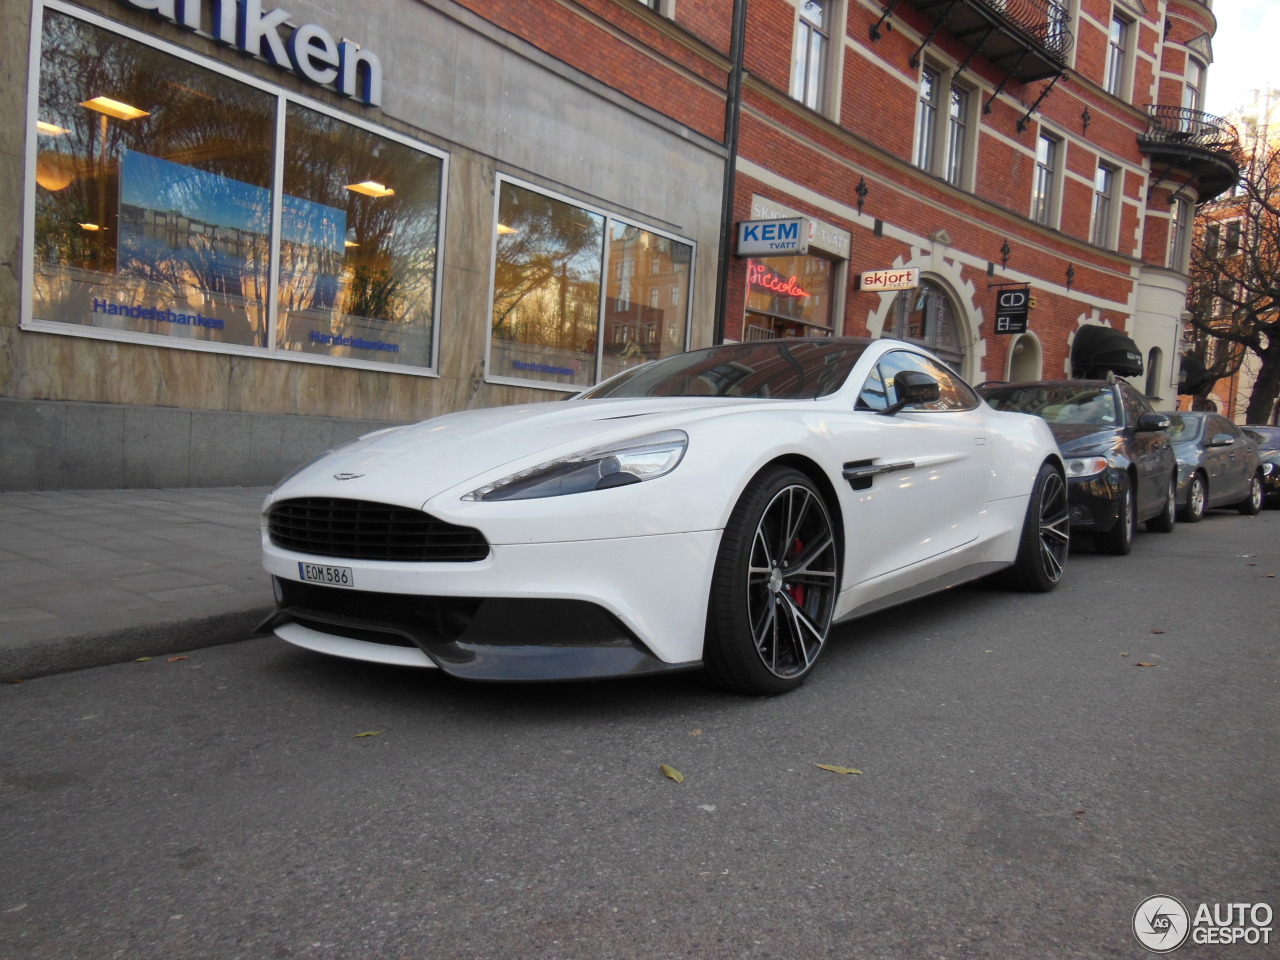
(90, 577)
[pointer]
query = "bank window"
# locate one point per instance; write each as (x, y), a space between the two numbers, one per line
(1118, 43)
(809, 63)
(556, 320)
(154, 207)
(1044, 182)
(1104, 206)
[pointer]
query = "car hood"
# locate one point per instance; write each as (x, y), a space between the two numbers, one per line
(1078, 438)
(410, 464)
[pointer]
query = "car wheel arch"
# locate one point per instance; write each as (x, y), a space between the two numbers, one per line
(820, 479)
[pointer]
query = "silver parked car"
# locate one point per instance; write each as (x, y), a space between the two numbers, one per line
(1218, 465)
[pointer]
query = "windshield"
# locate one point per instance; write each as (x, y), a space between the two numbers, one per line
(779, 369)
(1057, 403)
(1268, 437)
(1185, 428)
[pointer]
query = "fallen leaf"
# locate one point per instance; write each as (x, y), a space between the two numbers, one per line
(367, 733)
(672, 773)
(1142, 663)
(986, 651)
(1157, 631)
(142, 660)
(1124, 654)
(15, 679)
(173, 659)
(834, 769)
(1271, 576)
(696, 733)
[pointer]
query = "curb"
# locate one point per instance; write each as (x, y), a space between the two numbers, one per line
(39, 658)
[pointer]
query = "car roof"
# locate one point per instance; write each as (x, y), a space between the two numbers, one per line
(1050, 383)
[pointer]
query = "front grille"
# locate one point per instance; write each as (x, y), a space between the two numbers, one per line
(360, 530)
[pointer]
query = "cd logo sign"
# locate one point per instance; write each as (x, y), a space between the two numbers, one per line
(1161, 924)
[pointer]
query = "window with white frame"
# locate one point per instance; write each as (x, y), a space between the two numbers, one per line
(1104, 205)
(809, 66)
(1044, 181)
(1119, 40)
(927, 116)
(159, 185)
(1193, 87)
(943, 135)
(1179, 232)
(577, 291)
(1231, 241)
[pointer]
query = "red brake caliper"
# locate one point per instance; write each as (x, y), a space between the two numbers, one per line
(796, 590)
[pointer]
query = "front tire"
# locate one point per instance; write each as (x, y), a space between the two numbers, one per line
(1118, 541)
(1197, 500)
(773, 591)
(1046, 537)
(1165, 520)
(1251, 506)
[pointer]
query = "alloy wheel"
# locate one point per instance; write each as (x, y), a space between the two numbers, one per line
(1055, 533)
(791, 581)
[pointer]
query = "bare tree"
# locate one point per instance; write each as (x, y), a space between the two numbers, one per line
(1235, 280)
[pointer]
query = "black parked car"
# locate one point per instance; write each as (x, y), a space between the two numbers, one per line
(1120, 463)
(1217, 465)
(1268, 439)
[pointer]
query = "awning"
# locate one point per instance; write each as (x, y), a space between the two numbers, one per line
(1097, 350)
(1193, 378)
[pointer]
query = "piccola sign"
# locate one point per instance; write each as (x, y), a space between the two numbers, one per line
(309, 50)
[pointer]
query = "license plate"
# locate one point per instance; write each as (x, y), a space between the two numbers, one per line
(323, 573)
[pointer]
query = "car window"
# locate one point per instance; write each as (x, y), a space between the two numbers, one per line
(781, 369)
(878, 392)
(1183, 428)
(1058, 402)
(1223, 425)
(1135, 404)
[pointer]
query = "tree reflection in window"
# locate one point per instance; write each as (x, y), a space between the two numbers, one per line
(546, 288)
(88, 223)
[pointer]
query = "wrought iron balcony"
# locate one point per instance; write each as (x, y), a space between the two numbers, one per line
(1028, 39)
(1205, 146)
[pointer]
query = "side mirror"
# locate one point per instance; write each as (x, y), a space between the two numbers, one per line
(914, 389)
(1152, 421)
(1221, 440)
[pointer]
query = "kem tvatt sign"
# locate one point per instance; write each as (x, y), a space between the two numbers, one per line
(774, 238)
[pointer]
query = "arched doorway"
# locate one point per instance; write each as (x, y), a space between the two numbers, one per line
(927, 316)
(1025, 359)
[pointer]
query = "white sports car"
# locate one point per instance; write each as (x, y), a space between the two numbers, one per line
(716, 510)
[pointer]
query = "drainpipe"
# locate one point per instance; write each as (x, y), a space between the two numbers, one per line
(732, 110)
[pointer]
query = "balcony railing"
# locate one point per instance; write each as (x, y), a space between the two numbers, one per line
(1028, 39)
(1207, 146)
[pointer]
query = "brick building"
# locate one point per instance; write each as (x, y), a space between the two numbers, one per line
(240, 235)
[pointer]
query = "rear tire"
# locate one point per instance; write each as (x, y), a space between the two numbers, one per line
(774, 587)
(1118, 541)
(1046, 537)
(1165, 521)
(1197, 500)
(1251, 506)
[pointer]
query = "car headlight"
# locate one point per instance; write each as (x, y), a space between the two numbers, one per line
(1086, 466)
(600, 468)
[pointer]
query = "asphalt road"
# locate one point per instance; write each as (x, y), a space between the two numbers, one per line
(1026, 782)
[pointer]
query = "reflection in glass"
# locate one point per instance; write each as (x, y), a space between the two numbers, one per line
(546, 289)
(152, 200)
(647, 301)
(359, 231)
(795, 292)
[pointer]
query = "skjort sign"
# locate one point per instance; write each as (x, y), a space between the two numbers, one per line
(308, 50)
